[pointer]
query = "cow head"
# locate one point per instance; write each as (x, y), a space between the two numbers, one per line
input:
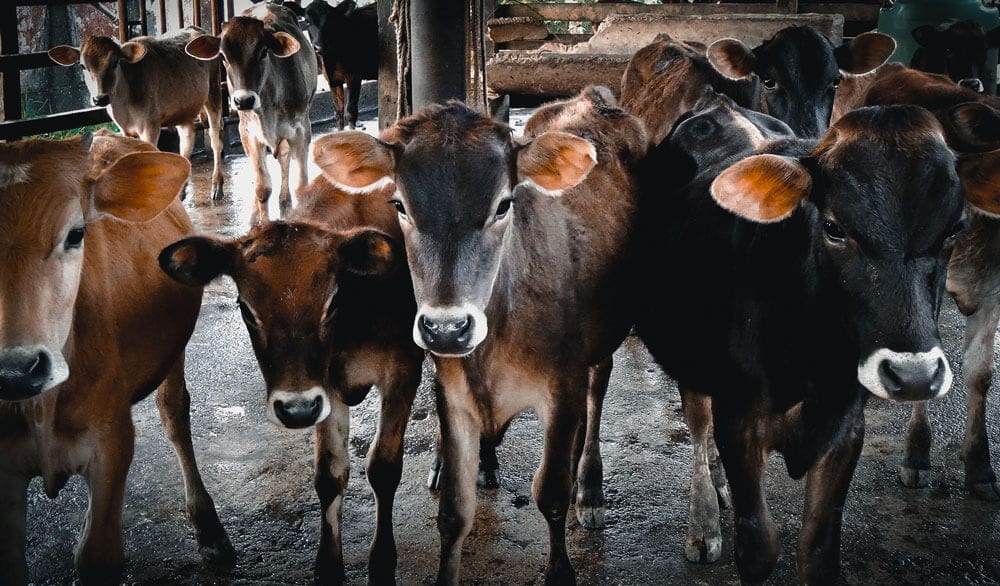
(101, 58)
(458, 176)
(299, 289)
(956, 48)
(798, 70)
(50, 192)
(247, 47)
(886, 207)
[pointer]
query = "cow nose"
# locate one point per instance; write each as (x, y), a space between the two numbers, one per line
(299, 413)
(446, 332)
(245, 102)
(102, 100)
(973, 83)
(23, 373)
(912, 380)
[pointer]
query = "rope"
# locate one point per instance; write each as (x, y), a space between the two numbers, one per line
(400, 19)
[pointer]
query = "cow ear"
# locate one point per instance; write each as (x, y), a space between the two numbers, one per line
(926, 35)
(555, 161)
(133, 52)
(204, 47)
(864, 52)
(980, 175)
(197, 260)
(762, 188)
(140, 185)
(354, 161)
(370, 253)
(731, 58)
(65, 55)
(284, 44)
(975, 124)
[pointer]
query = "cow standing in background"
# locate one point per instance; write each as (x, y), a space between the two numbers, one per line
(88, 327)
(151, 82)
(956, 48)
(346, 38)
(271, 68)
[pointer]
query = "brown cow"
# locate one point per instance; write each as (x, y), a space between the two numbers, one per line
(150, 82)
(327, 300)
(519, 256)
(88, 327)
(272, 71)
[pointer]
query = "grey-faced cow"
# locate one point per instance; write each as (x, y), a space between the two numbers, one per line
(150, 82)
(88, 327)
(812, 283)
(271, 68)
(519, 255)
(328, 304)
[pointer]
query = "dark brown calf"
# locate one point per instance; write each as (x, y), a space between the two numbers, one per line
(328, 304)
(150, 82)
(88, 327)
(519, 255)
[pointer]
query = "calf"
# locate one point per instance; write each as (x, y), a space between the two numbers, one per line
(150, 82)
(88, 328)
(810, 282)
(798, 71)
(346, 38)
(272, 72)
(956, 48)
(483, 218)
(329, 307)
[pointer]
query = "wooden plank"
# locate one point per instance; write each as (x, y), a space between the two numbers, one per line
(16, 63)
(553, 74)
(598, 12)
(51, 2)
(15, 129)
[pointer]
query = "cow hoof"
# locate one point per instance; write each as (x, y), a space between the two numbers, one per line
(707, 550)
(434, 476)
(914, 477)
(488, 479)
(221, 553)
(987, 491)
(217, 193)
(725, 496)
(590, 517)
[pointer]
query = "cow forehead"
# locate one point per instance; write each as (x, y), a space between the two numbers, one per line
(801, 53)
(454, 176)
(98, 52)
(291, 263)
(241, 35)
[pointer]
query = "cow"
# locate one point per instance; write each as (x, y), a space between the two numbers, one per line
(956, 48)
(483, 218)
(327, 302)
(89, 327)
(150, 82)
(272, 71)
(798, 70)
(346, 39)
(971, 122)
(810, 283)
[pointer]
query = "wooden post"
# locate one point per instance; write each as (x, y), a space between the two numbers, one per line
(143, 25)
(10, 91)
(180, 13)
(196, 17)
(388, 94)
(437, 47)
(123, 20)
(163, 16)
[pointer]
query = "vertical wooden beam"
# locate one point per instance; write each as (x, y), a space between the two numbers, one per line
(217, 17)
(388, 83)
(11, 88)
(230, 10)
(143, 25)
(163, 16)
(123, 20)
(437, 47)
(180, 13)
(196, 17)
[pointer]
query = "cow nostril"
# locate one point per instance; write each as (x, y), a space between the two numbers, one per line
(889, 378)
(40, 368)
(937, 377)
(428, 325)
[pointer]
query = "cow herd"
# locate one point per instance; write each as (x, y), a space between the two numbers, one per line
(777, 224)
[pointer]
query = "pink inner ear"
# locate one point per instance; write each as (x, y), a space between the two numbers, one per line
(762, 188)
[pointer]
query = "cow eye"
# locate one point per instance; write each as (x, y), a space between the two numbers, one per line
(958, 228)
(400, 209)
(74, 239)
(331, 308)
(834, 232)
(502, 208)
(770, 84)
(248, 317)
(836, 82)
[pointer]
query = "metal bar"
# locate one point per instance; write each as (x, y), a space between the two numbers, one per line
(123, 20)
(16, 63)
(11, 91)
(13, 130)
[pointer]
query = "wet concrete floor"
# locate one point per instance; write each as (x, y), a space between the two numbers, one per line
(261, 478)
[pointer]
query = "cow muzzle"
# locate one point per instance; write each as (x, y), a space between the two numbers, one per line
(101, 100)
(25, 372)
(245, 100)
(454, 331)
(296, 410)
(973, 83)
(906, 376)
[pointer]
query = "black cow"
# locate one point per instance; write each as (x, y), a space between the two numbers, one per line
(346, 39)
(956, 48)
(798, 71)
(810, 280)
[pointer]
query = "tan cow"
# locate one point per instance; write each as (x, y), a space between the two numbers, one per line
(150, 82)
(88, 327)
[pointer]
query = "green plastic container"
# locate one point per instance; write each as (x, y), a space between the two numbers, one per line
(901, 18)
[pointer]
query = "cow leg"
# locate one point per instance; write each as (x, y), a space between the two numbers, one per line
(284, 154)
(186, 136)
(337, 91)
(353, 95)
(256, 151)
(300, 157)
(718, 473)
(384, 468)
(756, 544)
(215, 129)
(459, 431)
(151, 134)
(13, 511)
(704, 535)
(915, 471)
(589, 469)
(99, 554)
(333, 467)
(553, 484)
(174, 404)
(827, 483)
(977, 364)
